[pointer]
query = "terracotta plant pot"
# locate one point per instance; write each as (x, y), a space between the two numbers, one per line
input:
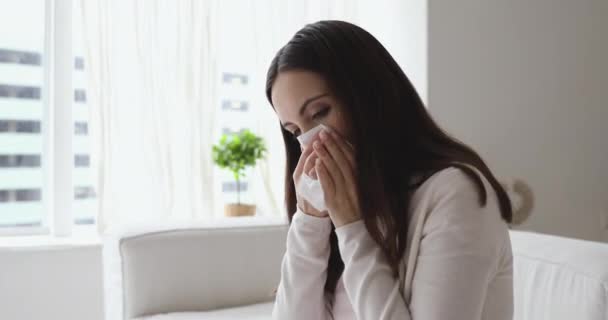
(239, 210)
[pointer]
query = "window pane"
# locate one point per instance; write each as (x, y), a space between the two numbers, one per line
(237, 87)
(21, 110)
(84, 205)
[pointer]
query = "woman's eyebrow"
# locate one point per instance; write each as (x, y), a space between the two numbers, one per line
(304, 105)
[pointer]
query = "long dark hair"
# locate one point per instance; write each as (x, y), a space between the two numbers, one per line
(395, 137)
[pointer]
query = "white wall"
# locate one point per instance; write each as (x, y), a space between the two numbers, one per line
(526, 84)
(49, 284)
(401, 27)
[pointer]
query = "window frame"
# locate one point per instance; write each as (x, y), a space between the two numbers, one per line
(57, 126)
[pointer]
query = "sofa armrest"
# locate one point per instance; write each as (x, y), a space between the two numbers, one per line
(205, 267)
(559, 278)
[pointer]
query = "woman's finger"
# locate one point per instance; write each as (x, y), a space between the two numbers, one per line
(327, 183)
(330, 164)
(349, 152)
(301, 162)
(309, 165)
(339, 158)
(347, 149)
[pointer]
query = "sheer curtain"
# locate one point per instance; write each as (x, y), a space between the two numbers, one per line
(153, 90)
(150, 66)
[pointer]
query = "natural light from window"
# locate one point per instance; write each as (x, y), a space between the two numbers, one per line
(24, 200)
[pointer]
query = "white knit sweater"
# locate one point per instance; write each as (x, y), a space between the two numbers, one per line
(458, 267)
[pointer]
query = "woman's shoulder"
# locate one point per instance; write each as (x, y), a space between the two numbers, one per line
(457, 194)
(461, 179)
(450, 201)
(455, 222)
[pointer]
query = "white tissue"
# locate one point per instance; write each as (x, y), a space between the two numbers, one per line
(308, 136)
(308, 188)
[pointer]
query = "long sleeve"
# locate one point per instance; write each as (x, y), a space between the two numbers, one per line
(300, 294)
(458, 258)
(368, 279)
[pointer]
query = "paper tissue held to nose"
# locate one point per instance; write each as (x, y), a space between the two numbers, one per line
(308, 188)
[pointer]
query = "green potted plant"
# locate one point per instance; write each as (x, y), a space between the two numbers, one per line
(236, 152)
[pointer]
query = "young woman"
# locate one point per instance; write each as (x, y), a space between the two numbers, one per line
(416, 224)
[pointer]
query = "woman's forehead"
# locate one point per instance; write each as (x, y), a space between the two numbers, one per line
(292, 88)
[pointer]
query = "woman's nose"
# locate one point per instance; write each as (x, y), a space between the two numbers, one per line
(307, 129)
(309, 135)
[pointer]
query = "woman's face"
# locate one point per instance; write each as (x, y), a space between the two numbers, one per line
(302, 100)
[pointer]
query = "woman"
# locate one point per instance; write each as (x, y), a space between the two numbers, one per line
(415, 225)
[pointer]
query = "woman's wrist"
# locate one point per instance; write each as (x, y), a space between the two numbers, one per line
(317, 214)
(320, 225)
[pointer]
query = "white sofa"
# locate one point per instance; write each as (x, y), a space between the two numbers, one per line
(229, 270)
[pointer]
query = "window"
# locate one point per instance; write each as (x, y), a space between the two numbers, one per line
(235, 94)
(22, 81)
(84, 206)
(32, 150)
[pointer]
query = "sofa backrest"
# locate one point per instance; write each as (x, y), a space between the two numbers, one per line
(200, 269)
(205, 268)
(559, 278)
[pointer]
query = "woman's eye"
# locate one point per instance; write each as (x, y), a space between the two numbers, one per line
(321, 114)
(316, 116)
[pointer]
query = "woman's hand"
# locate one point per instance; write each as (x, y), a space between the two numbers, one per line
(335, 167)
(306, 164)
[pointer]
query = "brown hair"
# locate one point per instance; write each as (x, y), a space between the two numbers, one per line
(395, 136)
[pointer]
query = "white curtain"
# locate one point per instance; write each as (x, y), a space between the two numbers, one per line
(154, 87)
(150, 67)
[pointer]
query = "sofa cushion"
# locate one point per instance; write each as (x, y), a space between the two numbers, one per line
(559, 278)
(261, 311)
(200, 269)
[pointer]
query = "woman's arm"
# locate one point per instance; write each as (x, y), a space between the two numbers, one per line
(368, 278)
(458, 256)
(304, 269)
